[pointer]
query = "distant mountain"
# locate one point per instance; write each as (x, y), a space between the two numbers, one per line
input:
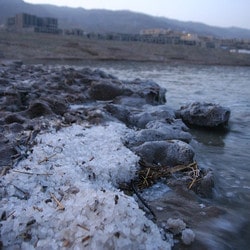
(113, 21)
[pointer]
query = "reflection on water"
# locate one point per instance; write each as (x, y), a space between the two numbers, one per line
(209, 137)
(227, 154)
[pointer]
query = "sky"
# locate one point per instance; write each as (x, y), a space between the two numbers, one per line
(222, 13)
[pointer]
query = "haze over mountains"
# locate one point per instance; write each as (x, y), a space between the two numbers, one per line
(103, 21)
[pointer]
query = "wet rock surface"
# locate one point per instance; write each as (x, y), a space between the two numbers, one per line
(32, 98)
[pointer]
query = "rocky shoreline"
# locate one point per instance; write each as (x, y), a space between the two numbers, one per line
(37, 98)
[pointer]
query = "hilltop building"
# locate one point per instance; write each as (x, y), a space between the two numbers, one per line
(30, 23)
(156, 31)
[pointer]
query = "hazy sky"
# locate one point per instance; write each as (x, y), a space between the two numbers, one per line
(224, 13)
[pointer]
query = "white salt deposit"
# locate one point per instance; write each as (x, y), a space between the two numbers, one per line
(187, 236)
(66, 196)
(176, 225)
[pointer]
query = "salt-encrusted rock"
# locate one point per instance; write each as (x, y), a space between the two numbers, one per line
(137, 138)
(149, 90)
(174, 127)
(140, 116)
(151, 113)
(187, 236)
(176, 225)
(166, 153)
(171, 122)
(206, 115)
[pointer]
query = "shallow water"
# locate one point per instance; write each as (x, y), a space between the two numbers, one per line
(227, 154)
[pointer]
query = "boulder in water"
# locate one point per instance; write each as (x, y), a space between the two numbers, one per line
(207, 115)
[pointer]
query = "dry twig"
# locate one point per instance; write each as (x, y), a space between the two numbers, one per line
(4, 170)
(30, 173)
(47, 158)
(150, 173)
(11, 214)
(58, 203)
(83, 227)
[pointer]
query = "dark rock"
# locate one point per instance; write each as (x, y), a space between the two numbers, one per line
(149, 90)
(206, 115)
(38, 108)
(118, 111)
(69, 118)
(140, 120)
(59, 107)
(16, 127)
(105, 90)
(12, 63)
(95, 116)
(166, 153)
(6, 153)
(4, 82)
(204, 188)
(14, 118)
(11, 101)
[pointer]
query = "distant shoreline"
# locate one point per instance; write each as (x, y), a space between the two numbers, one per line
(46, 47)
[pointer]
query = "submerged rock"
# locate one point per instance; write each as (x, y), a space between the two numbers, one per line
(207, 115)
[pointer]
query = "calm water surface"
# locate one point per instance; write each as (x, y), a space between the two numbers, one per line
(227, 154)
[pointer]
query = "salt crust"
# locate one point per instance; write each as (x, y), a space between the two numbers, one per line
(85, 166)
(187, 236)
